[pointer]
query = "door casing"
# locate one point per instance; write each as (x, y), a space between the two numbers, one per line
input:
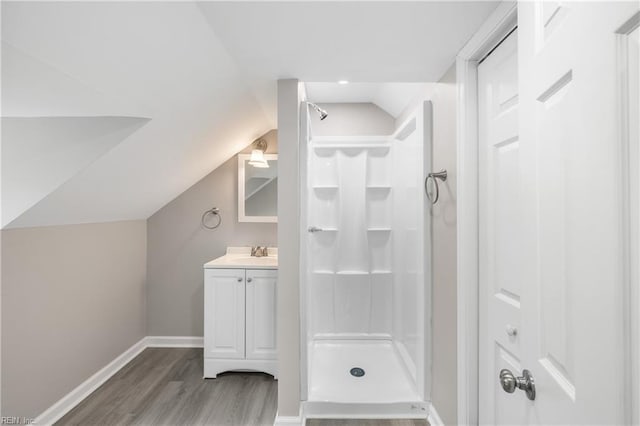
(495, 28)
(631, 221)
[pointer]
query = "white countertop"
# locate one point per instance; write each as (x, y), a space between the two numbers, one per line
(240, 258)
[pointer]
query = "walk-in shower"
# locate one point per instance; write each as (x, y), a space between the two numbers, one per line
(366, 271)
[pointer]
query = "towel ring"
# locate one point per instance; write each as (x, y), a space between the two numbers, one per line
(214, 211)
(442, 175)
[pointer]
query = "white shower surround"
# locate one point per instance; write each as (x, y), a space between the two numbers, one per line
(367, 281)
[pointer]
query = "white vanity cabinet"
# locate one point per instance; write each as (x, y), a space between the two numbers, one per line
(239, 320)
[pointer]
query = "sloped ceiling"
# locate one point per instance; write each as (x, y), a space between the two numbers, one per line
(57, 148)
(115, 108)
(32, 88)
(158, 60)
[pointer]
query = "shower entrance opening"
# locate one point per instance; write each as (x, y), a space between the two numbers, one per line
(366, 272)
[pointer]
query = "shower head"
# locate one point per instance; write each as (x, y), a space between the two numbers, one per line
(323, 114)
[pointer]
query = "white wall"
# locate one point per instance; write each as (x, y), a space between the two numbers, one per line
(347, 209)
(409, 266)
(339, 303)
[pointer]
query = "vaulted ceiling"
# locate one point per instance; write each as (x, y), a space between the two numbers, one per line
(112, 109)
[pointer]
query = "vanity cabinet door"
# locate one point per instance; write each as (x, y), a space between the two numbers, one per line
(224, 313)
(261, 313)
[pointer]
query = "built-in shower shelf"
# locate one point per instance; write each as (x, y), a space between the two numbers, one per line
(356, 188)
(350, 140)
(351, 336)
(379, 150)
(323, 272)
(347, 145)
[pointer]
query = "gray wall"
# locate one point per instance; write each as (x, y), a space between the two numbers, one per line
(444, 390)
(289, 98)
(179, 246)
(72, 301)
(352, 119)
(1, 410)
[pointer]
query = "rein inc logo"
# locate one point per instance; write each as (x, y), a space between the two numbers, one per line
(14, 420)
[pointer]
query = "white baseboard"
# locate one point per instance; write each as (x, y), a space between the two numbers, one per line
(434, 418)
(298, 420)
(174, 342)
(365, 410)
(73, 398)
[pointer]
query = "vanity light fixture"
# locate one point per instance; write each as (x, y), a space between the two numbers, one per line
(257, 155)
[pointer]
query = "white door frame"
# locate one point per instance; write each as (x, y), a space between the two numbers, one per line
(630, 169)
(495, 28)
(304, 135)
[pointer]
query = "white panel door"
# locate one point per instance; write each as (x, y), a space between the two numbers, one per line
(500, 220)
(571, 269)
(224, 313)
(261, 313)
(564, 260)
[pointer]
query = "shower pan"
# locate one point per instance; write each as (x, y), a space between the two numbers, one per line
(366, 280)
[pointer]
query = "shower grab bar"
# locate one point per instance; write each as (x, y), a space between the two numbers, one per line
(442, 175)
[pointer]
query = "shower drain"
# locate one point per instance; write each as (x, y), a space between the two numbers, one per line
(357, 372)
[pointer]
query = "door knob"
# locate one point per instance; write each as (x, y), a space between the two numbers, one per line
(526, 383)
(249, 280)
(239, 279)
(313, 229)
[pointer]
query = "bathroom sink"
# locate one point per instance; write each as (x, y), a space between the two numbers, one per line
(241, 258)
(250, 260)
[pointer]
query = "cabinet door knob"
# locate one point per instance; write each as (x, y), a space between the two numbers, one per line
(249, 280)
(239, 279)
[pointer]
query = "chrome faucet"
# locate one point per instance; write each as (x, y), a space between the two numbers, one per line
(258, 251)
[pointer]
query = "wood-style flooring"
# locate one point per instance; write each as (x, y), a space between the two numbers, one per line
(164, 386)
